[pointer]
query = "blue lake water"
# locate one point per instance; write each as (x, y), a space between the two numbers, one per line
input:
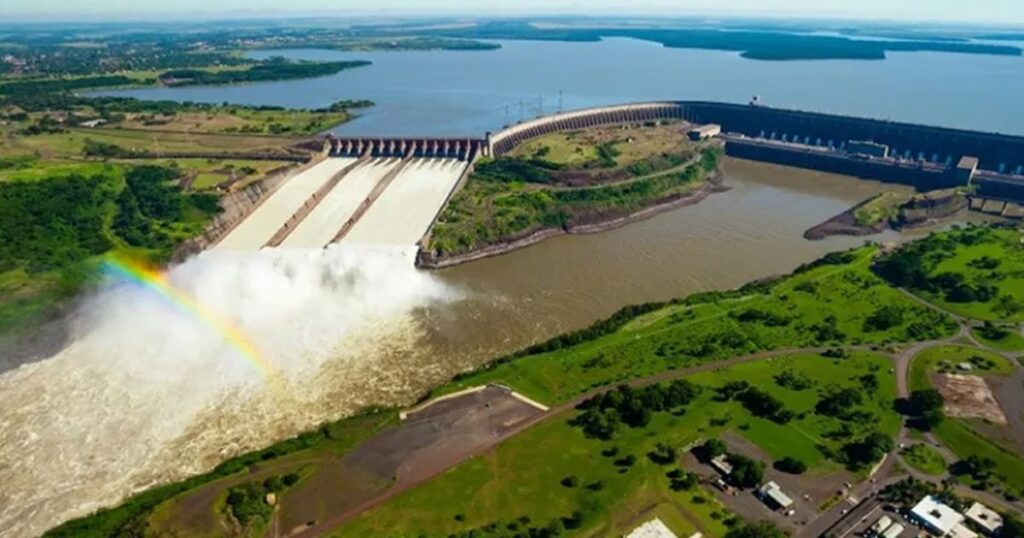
(471, 92)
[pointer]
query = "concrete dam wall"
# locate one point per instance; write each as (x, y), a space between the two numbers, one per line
(919, 155)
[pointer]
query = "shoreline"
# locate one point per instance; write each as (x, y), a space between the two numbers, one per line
(845, 223)
(426, 260)
(919, 211)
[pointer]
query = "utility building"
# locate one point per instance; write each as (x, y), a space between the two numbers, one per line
(867, 149)
(773, 496)
(704, 132)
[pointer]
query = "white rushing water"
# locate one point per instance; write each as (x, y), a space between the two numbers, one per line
(148, 393)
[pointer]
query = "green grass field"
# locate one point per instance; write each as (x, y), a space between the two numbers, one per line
(959, 437)
(946, 358)
(1012, 341)
(880, 208)
(976, 272)
(925, 459)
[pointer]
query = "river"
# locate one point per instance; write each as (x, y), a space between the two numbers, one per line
(348, 329)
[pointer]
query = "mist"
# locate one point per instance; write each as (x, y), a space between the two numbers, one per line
(147, 392)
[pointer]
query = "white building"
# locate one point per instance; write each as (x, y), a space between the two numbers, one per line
(984, 518)
(652, 529)
(939, 519)
(772, 494)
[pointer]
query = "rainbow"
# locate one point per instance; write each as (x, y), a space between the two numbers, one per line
(155, 281)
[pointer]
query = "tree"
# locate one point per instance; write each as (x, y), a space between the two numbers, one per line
(746, 472)
(884, 318)
(925, 399)
(979, 468)
(791, 465)
(761, 529)
(663, 454)
(1013, 527)
(838, 403)
(926, 404)
(712, 448)
(868, 450)
(681, 480)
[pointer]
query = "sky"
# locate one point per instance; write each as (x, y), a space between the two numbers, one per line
(1003, 12)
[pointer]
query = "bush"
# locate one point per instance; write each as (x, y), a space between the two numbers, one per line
(790, 465)
(663, 454)
(746, 472)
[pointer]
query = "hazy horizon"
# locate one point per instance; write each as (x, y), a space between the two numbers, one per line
(1004, 13)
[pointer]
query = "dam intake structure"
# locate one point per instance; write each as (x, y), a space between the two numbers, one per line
(390, 190)
(922, 156)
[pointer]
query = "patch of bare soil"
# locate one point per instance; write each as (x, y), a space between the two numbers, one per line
(969, 396)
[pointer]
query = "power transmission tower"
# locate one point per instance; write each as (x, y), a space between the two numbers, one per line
(560, 102)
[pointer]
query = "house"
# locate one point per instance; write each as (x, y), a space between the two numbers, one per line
(939, 519)
(773, 495)
(984, 519)
(721, 464)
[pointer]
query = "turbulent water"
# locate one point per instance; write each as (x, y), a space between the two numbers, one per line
(148, 392)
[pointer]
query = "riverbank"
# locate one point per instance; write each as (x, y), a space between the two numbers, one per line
(428, 260)
(891, 211)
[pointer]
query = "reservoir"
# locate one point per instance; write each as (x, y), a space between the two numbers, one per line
(467, 93)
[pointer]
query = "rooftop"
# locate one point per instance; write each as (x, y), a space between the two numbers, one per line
(652, 529)
(775, 493)
(968, 162)
(984, 517)
(937, 515)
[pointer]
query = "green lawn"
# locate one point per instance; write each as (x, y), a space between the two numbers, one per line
(946, 358)
(521, 477)
(925, 459)
(976, 272)
(30, 168)
(964, 442)
(1011, 341)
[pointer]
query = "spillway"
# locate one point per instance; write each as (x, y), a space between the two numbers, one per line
(339, 205)
(406, 209)
(259, 227)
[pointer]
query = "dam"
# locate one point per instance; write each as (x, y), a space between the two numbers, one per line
(371, 192)
(389, 191)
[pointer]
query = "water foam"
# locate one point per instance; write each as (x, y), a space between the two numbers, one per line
(147, 394)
